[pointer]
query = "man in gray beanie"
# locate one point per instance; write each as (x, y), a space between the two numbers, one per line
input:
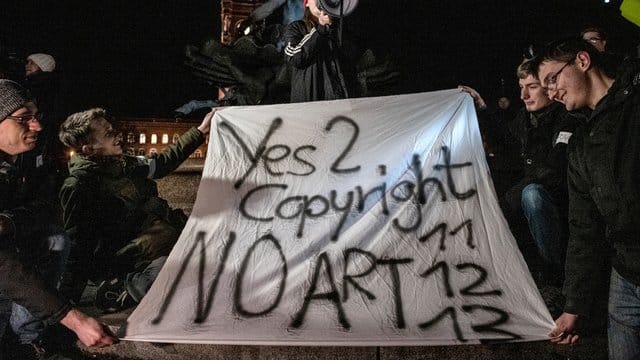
(24, 251)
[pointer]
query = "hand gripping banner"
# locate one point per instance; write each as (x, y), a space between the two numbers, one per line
(353, 222)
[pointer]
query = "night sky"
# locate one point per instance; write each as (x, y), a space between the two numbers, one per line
(126, 55)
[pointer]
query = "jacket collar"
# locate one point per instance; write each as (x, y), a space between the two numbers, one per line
(108, 166)
(542, 115)
(626, 83)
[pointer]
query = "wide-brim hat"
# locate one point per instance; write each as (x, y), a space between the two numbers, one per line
(332, 7)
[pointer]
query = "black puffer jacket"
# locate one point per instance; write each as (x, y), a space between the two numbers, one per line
(604, 192)
(543, 137)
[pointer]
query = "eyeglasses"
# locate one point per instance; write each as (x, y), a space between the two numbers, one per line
(552, 81)
(25, 118)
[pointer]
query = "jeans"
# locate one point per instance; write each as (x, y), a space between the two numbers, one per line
(137, 284)
(50, 267)
(624, 318)
(543, 216)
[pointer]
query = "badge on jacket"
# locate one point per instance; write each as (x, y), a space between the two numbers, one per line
(563, 137)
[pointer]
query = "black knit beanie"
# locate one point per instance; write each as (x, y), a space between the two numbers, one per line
(12, 97)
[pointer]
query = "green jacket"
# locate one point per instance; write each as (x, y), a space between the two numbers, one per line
(604, 193)
(109, 202)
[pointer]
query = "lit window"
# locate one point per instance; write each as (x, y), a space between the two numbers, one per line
(154, 138)
(142, 152)
(165, 138)
(143, 138)
(175, 138)
(131, 138)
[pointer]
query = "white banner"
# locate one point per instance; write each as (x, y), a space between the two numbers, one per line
(353, 222)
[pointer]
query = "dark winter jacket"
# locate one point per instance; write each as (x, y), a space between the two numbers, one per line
(321, 69)
(540, 139)
(108, 203)
(26, 198)
(543, 137)
(604, 192)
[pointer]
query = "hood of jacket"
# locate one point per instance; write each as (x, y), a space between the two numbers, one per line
(80, 166)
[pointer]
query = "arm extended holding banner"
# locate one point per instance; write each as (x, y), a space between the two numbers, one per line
(477, 99)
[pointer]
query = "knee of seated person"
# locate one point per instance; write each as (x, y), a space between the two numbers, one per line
(531, 198)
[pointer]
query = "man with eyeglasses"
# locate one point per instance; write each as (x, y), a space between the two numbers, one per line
(29, 255)
(604, 190)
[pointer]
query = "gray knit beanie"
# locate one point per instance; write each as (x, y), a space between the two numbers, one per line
(12, 97)
(45, 62)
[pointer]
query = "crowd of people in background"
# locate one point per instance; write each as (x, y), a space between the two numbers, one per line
(566, 170)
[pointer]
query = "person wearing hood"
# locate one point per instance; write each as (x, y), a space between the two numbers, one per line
(322, 65)
(121, 230)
